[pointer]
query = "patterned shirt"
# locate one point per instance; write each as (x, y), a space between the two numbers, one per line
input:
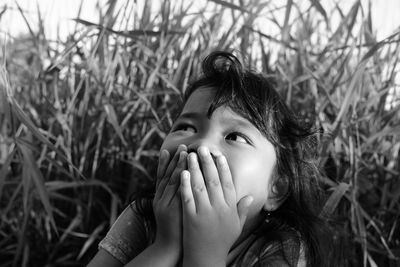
(131, 234)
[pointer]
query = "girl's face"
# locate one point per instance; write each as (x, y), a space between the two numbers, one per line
(251, 157)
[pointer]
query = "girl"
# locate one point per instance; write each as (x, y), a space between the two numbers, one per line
(236, 184)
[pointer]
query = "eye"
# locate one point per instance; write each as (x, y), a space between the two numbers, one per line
(185, 128)
(237, 137)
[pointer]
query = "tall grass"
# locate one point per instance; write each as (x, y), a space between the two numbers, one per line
(81, 120)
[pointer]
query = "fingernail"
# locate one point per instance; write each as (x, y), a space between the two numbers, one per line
(185, 178)
(164, 154)
(216, 153)
(192, 156)
(250, 200)
(181, 147)
(221, 159)
(182, 155)
(203, 151)
(185, 174)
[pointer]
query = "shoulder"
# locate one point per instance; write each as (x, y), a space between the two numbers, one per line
(288, 241)
(128, 236)
(284, 249)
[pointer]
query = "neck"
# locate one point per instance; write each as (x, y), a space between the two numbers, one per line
(248, 229)
(244, 239)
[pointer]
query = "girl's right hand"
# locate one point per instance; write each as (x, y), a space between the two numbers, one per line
(167, 203)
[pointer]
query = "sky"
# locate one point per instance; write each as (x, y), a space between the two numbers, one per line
(57, 14)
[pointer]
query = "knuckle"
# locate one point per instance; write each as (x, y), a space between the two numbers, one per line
(187, 200)
(208, 160)
(213, 182)
(225, 168)
(199, 188)
(227, 184)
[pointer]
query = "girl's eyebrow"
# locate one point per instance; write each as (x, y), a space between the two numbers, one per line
(239, 121)
(190, 115)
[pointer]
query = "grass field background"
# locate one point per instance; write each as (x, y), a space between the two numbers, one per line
(82, 119)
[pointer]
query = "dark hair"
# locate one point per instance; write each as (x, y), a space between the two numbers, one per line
(252, 95)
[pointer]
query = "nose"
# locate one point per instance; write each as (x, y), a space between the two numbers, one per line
(211, 145)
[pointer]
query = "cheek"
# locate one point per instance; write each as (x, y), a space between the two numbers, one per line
(171, 143)
(252, 175)
(168, 144)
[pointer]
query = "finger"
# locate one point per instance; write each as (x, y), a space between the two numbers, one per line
(174, 160)
(243, 208)
(160, 188)
(211, 176)
(162, 164)
(199, 189)
(225, 177)
(181, 165)
(163, 181)
(172, 186)
(188, 203)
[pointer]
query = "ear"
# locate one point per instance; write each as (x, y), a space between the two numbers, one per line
(277, 194)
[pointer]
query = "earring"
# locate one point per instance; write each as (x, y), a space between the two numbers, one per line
(267, 218)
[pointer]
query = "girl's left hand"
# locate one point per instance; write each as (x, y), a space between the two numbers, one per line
(212, 217)
(166, 202)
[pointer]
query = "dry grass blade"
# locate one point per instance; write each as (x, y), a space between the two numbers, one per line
(229, 5)
(98, 111)
(112, 118)
(362, 233)
(22, 117)
(68, 50)
(373, 50)
(317, 4)
(13, 199)
(137, 165)
(338, 192)
(129, 34)
(355, 82)
(4, 96)
(76, 222)
(274, 39)
(27, 23)
(3, 11)
(285, 28)
(89, 241)
(5, 169)
(347, 23)
(385, 132)
(62, 185)
(21, 240)
(37, 177)
(371, 261)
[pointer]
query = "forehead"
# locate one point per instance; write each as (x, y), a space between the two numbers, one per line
(200, 100)
(198, 105)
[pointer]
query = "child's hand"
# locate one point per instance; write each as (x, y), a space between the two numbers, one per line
(212, 217)
(166, 203)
